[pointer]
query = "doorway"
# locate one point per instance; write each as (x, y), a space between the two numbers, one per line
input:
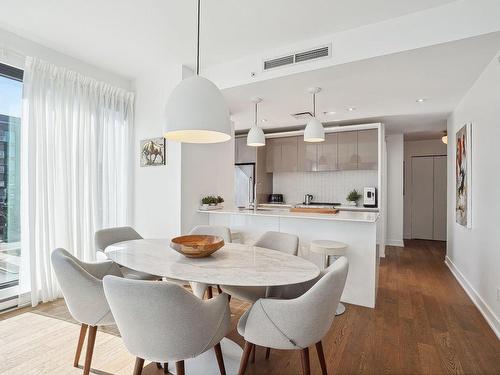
(428, 217)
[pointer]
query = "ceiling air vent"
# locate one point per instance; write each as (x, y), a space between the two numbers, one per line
(302, 115)
(298, 57)
(312, 54)
(280, 61)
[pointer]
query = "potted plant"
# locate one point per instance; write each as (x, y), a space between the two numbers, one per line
(211, 202)
(352, 197)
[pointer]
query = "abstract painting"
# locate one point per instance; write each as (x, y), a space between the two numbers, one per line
(463, 172)
(153, 152)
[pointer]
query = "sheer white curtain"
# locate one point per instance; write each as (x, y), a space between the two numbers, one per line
(75, 167)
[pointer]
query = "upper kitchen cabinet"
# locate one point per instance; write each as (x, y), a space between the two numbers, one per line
(327, 153)
(244, 153)
(307, 158)
(347, 156)
(282, 154)
(368, 149)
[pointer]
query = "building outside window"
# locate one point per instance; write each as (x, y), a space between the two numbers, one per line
(11, 86)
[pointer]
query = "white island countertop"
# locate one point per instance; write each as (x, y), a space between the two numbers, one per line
(363, 217)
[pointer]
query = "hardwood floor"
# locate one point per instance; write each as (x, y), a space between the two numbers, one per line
(424, 323)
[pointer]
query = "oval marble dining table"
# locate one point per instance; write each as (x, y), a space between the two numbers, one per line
(233, 264)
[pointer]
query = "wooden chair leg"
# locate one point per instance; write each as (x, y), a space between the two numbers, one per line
(81, 340)
(179, 368)
(253, 353)
(90, 349)
(220, 359)
(321, 357)
(244, 358)
(209, 292)
(139, 364)
(268, 352)
(304, 359)
(164, 367)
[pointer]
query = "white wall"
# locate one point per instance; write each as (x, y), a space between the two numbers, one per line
(416, 148)
(395, 158)
(167, 197)
(324, 186)
(157, 190)
(474, 254)
(206, 170)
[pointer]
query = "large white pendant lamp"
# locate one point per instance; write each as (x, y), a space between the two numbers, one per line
(314, 131)
(196, 111)
(255, 137)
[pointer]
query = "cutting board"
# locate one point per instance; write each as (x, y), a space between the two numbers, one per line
(313, 210)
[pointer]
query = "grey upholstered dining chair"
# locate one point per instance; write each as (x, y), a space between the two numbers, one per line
(81, 285)
(295, 324)
(199, 289)
(283, 242)
(166, 323)
(105, 237)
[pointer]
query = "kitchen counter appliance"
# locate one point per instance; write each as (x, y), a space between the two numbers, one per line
(308, 199)
(370, 197)
(275, 198)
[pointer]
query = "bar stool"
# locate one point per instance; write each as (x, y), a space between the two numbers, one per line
(236, 236)
(329, 248)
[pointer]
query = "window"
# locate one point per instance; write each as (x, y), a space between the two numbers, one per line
(11, 86)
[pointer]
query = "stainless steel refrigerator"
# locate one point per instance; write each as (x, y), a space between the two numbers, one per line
(244, 185)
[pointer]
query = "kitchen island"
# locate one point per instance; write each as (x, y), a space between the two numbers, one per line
(357, 229)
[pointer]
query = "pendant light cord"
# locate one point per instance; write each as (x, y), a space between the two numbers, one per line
(198, 43)
(314, 104)
(255, 118)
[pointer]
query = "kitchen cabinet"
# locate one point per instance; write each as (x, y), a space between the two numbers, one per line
(307, 156)
(244, 153)
(327, 153)
(368, 149)
(282, 154)
(347, 152)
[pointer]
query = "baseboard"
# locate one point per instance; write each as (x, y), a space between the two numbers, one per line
(484, 309)
(398, 243)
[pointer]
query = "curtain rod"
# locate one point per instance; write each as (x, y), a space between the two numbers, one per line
(7, 51)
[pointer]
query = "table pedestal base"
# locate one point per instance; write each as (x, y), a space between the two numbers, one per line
(206, 363)
(340, 309)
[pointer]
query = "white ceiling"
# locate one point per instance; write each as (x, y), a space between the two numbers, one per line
(381, 89)
(130, 36)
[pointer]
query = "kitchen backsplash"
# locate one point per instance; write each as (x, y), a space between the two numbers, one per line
(324, 186)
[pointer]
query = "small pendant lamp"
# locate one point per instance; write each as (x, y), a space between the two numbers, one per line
(314, 131)
(255, 137)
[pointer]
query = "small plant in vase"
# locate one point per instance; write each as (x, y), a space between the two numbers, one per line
(353, 197)
(211, 201)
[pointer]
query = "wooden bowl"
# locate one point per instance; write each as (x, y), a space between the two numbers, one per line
(196, 245)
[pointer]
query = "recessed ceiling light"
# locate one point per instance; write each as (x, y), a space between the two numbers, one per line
(264, 120)
(329, 112)
(350, 109)
(421, 100)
